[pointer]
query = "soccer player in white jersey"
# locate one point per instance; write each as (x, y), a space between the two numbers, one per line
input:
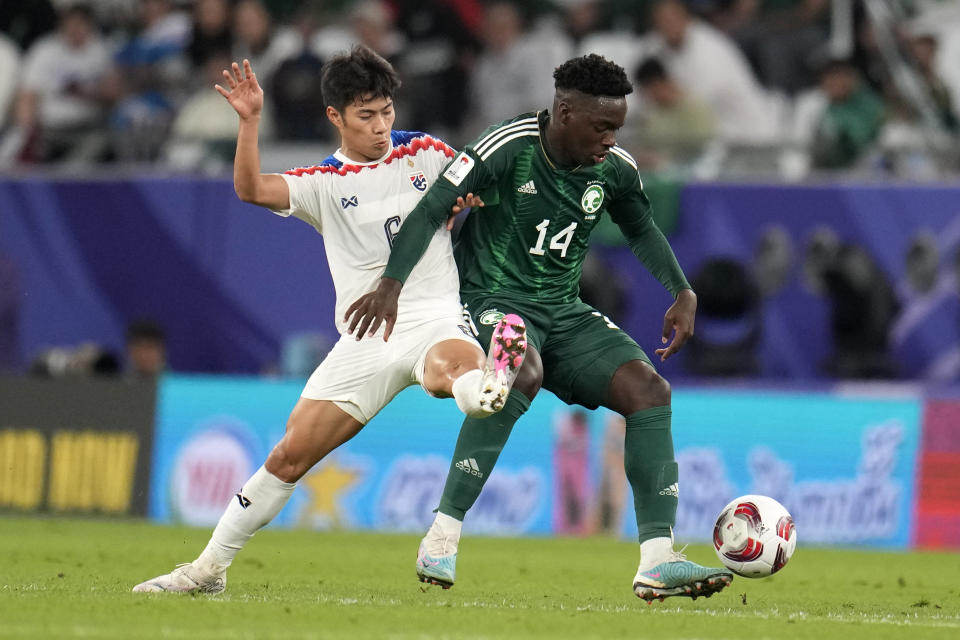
(357, 198)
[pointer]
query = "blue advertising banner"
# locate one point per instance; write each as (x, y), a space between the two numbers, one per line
(842, 462)
(213, 433)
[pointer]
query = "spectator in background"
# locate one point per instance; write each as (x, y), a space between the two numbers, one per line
(151, 70)
(862, 310)
(11, 291)
(729, 321)
(778, 37)
(923, 50)
(851, 121)
(571, 464)
(256, 40)
(61, 104)
(612, 485)
(205, 128)
(9, 77)
(433, 64)
(295, 88)
(513, 72)
(146, 349)
(372, 24)
(772, 260)
(594, 27)
(672, 127)
(922, 264)
(27, 20)
(710, 67)
(212, 33)
(12, 137)
(85, 359)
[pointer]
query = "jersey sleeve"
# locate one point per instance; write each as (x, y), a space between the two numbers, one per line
(466, 173)
(306, 196)
(630, 210)
(440, 155)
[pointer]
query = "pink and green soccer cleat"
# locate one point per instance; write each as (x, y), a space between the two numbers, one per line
(508, 346)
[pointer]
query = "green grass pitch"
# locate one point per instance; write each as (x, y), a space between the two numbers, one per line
(65, 578)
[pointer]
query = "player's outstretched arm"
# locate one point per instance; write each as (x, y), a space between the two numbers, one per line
(678, 321)
(244, 94)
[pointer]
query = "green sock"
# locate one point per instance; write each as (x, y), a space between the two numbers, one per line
(652, 471)
(478, 447)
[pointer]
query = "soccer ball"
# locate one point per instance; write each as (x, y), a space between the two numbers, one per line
(754, 536)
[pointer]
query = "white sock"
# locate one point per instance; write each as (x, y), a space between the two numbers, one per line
(264, 495)
(449, 525)
(654, 551)
(466, 391)
(443, 538)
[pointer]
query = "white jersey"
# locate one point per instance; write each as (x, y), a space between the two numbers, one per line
(359, 207)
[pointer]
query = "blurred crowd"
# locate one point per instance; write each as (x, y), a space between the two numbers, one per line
(771, 88)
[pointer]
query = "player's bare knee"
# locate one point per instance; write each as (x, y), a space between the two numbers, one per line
(649, 389)
(636, 386)
(658, 391)
(530, 377)
(286, 467)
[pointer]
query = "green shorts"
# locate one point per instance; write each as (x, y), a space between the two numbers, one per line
(581, 349)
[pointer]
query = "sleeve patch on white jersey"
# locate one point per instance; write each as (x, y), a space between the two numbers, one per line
(459, 168)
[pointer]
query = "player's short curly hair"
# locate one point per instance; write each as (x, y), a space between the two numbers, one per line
(594, 75)
(361, 73)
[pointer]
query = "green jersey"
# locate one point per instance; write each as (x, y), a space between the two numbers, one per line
(531, 238)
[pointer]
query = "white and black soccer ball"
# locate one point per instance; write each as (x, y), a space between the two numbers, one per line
(754, 536)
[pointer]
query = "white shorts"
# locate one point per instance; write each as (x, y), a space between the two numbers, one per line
(361, 377)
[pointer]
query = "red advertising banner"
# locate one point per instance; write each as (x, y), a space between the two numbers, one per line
(938, 490)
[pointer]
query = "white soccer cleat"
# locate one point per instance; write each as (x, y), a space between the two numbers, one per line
(186, 578)
(508, 346)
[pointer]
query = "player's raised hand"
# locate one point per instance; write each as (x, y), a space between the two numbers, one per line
(244, 93)
(371, 309)
(463, 203)
(679, 321)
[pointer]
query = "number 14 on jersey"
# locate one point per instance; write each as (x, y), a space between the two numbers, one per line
(558, 242)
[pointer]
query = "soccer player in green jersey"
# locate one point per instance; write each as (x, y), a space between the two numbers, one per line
(546, 179)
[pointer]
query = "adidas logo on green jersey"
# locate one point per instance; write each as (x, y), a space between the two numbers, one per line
(528, 187)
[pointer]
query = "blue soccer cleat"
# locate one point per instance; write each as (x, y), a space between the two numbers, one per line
(679, 577)
(437, 558)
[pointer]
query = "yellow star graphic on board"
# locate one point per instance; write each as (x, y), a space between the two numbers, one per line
(326, 484)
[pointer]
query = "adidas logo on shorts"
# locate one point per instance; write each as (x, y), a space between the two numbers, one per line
(469, 465)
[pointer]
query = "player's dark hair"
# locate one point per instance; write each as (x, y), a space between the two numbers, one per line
(649, 71)
(359, 74)
(594, 75)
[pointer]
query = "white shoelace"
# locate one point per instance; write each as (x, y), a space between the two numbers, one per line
(439, 544)
(677, 556)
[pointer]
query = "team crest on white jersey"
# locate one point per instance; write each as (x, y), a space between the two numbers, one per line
(418, 180)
